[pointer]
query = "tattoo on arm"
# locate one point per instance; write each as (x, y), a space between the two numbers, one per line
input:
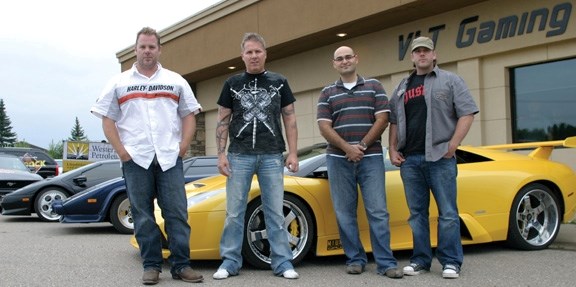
(222, 129)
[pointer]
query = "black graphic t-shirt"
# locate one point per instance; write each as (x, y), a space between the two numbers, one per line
(256, 101)
(415, 107)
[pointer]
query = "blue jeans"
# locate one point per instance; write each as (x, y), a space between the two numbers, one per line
(419, 177)
(344, 178)
(270, 171)
(143, 186)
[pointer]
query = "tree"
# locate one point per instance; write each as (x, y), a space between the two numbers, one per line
(77, 133)
(7, 137)
(56, 150)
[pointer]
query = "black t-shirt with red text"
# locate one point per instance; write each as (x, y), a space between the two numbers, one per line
(415, 107)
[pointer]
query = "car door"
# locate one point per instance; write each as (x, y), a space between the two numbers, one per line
(101, 173)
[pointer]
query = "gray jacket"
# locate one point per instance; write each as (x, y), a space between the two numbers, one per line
(447, 99)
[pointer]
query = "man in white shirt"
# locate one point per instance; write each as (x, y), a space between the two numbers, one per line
(148, 115)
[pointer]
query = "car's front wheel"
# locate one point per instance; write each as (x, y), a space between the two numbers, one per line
(298, 223)
(121, 216)
(43, 204)
(534, 218)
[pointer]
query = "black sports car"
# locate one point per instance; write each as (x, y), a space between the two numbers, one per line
(39, 196)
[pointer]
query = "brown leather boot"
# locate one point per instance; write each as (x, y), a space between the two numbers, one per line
(150, 277)
(187, 274)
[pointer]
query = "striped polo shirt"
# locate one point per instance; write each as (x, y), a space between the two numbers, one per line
(353, 111)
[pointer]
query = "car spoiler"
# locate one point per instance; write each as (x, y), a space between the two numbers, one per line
(542, 150)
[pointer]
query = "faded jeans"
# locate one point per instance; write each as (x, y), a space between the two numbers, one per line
(270, 171)
(419, 177)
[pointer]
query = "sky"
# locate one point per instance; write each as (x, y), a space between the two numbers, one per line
(56, 56)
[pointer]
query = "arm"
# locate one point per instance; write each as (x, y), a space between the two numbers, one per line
(289, 118)
(222, 128)
(395, 157)
(188, 131)
(111, 133)
(353, 152)
(377, 129)
(462, 128)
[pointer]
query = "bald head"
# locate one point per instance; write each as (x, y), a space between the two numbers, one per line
(345, 62)
(344, 50)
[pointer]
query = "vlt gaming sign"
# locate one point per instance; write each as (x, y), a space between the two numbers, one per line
(472, 30)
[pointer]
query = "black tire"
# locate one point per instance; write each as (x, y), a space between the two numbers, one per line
(43, 204)
(120, 214)
(534, 218)
(298, 223)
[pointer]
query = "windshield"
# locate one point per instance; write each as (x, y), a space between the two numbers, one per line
(12, 163)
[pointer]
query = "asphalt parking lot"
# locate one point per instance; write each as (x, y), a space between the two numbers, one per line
(35, 253)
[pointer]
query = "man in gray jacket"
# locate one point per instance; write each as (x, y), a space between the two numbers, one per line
(431, 113)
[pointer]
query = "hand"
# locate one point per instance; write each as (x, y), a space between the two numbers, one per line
(396, 158)
(124, 157)
(292, 163)
(223, 165)
(355, 153)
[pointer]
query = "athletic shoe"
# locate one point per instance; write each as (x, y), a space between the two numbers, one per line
(450, 271)
(414, 269)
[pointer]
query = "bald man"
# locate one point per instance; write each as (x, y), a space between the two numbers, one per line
(352, 114)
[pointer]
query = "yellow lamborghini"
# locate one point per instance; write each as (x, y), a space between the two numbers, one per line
(502, 196)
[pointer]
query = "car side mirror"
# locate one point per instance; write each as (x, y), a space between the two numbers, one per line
(80, 181)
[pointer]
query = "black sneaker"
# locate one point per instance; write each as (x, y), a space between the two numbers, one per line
(414, 269)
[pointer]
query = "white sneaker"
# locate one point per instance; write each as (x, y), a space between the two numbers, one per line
(290, 274)
(450, 272)
(221, 274)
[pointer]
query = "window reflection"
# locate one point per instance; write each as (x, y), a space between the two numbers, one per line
(543, 101)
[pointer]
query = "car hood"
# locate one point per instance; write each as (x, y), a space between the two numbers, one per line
(205, 184)
(11, 174)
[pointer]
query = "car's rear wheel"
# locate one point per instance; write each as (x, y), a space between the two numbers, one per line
(534, 218)
(297, 221)
(43, 204)
(120, 214)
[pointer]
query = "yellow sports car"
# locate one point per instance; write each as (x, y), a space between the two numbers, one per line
(502, 196)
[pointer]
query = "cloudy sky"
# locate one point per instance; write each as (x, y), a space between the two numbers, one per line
(56, 56)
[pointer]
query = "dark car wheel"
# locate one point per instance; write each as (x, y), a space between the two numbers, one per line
(121, 216)
(43, 203)
(297, 221)
(534, 218)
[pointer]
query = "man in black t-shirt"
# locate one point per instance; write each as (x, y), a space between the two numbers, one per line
(250, 108)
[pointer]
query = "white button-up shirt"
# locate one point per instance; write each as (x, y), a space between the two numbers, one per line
(148, 113)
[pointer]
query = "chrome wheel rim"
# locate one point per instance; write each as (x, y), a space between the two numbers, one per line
(295, 224)
(537, 217)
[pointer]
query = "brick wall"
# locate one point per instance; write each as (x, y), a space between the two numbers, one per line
(198, 145)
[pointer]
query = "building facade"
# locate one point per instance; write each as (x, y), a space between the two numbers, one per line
(516, 57)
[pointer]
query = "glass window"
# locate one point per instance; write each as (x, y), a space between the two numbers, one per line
(543, 101)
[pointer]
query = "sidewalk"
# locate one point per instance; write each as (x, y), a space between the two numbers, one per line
(566, 239)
